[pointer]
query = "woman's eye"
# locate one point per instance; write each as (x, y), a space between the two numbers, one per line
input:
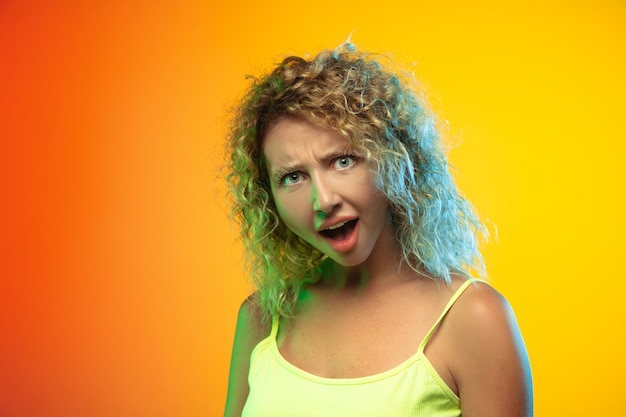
(291, 179)
(344, 162)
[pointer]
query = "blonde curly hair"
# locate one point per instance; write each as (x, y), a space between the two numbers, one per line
(383, 115)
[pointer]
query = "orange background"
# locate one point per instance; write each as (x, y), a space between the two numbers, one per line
(120, 274)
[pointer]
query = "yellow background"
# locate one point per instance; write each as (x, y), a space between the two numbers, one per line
(120, 274)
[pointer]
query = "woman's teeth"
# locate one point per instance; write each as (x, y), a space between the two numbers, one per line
(337, 226)
(340, 231)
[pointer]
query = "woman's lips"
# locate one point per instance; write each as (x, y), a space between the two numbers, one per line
(340, 230)
(342, 237)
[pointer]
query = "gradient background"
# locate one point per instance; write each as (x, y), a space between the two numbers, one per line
(120, 276)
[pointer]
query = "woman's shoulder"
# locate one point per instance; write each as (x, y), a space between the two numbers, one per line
(480, 305)
(251, 325)
(487, 350)
(479, 313)
(479, 322)
(250, 330)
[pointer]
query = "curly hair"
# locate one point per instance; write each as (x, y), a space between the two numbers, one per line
(381, 113)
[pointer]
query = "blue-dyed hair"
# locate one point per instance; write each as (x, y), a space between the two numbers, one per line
(384, 115)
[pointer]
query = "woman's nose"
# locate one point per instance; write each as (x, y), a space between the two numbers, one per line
(325, 199)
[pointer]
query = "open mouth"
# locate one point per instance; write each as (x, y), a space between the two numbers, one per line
(340, 231)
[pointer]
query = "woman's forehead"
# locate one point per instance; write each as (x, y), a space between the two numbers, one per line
(292, 139)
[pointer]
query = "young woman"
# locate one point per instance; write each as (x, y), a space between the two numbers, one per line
(361, 249)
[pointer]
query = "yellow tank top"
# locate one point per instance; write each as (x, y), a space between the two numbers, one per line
(411, 389)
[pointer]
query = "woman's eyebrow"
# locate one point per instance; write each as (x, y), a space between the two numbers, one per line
(293, 166)
(342, 150)
(286, 169)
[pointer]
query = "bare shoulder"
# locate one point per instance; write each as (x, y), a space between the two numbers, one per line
(250, 330)
(490, 364)
(483, 315)
(249, 320)
(480, 305)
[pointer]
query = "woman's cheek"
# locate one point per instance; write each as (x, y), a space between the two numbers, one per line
(292, 212)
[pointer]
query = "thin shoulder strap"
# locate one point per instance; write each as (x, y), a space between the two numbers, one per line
(275, 321)
(451, 302)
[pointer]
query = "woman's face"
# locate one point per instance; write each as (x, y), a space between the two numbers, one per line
(324, 191)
